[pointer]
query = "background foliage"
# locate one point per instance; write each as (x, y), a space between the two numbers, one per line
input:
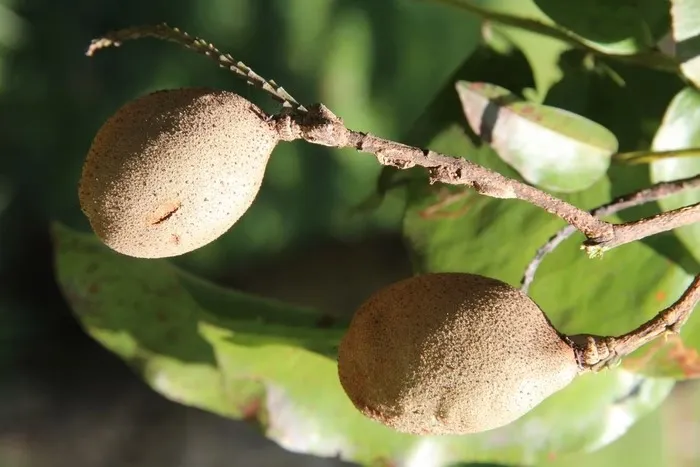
(386, 67)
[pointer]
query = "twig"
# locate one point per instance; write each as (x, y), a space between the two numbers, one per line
(167, 33)
(647, 195)
(596, 352)
(633, 231)
(321, 126)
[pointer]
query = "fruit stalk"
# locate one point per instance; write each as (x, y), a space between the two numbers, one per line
(600, 352)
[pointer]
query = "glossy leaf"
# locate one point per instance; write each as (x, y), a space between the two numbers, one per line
(550, 147)
(685, 16)
(680, 129)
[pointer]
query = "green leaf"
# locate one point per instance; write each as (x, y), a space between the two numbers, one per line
(685, 15)
(233, 355)
(548, 146)
(628, 32)
(680, 129)
(612, 26)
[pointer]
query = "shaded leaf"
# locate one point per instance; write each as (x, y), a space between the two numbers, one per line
(612, 26)
(629, 30)
(680, 129)
(685, 17)
(619, 108)
(549, 147)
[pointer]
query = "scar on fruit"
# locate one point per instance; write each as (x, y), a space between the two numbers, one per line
(164, 212)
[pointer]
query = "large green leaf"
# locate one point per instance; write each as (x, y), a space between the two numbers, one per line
(680, 129)
(237, 356)
(685, 16)
(550, 147)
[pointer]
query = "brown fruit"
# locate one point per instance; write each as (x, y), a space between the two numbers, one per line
(173, 170)
(451, 353)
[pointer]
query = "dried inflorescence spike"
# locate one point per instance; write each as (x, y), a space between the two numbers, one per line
(171, 171)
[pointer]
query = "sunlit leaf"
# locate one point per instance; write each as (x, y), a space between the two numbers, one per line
(549, 147)
(680, 129)
(685, 15)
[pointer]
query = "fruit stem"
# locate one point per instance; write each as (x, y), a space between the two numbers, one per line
(595, 352)
(167, 33)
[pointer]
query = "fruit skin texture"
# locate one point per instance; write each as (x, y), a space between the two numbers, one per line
(451, 353)
(173, 170)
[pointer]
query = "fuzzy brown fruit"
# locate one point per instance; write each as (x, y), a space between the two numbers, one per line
(172, 171)
(451, 353)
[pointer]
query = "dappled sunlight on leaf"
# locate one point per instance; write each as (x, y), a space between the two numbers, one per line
(550, 147)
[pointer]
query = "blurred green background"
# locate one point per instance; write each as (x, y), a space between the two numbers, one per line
(378, 64)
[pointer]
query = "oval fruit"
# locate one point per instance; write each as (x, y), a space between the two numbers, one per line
(172, 171)
(451, 353)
